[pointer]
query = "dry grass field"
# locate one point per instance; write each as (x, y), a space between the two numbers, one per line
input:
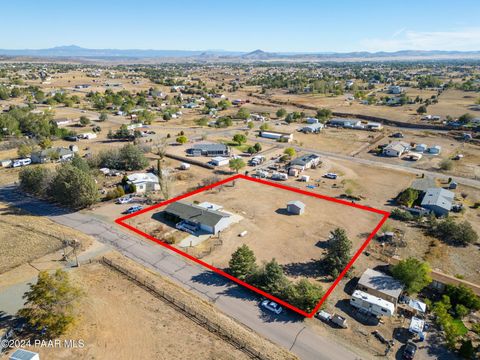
(24, 237)
(119, 320)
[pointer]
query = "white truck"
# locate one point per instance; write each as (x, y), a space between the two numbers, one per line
(372, 304)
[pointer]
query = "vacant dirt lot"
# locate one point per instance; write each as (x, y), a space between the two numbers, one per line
(294, 241)
(24, 237)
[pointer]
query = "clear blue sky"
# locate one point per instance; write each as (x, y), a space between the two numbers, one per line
(242, 25)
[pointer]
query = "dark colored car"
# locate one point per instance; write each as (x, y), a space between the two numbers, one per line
(409, 351)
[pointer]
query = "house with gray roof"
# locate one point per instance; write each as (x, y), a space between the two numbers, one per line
(312, 128)
(438, 200)
(205, 149)
(57, 154)
(197, 217)
(381, 285)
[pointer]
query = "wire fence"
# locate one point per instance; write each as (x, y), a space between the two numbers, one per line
(187, 310)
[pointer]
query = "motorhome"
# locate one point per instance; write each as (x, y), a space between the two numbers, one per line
(21, 162)
(372, 304)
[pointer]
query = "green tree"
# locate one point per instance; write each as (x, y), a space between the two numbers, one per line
(45, 143)
(290, 152)
(132, 158)
(182, 139)
(50, 303)
(422, 109)
(339, 252)
(242, 263)
(80, 163)
(24, 150)
(257, 147)
(73, 187)
(408, 197)
(84, 121)
(243, 114)
(103, 116)
(35, 179)
(413, 273)
(466, 118)
(466, 350)
(240, 139)
(324, 114)
(264, 127)
(236, 164)
(462, 295)
(271, 278)
(281, 113)
(250, 125)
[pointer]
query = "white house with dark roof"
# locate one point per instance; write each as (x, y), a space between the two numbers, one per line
(208, 149)
(295, 207)
(195, 217)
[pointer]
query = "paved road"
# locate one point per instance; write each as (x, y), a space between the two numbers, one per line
(288, 330)
(460, 180)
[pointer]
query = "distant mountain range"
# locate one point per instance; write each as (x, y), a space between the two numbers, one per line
(74, 51)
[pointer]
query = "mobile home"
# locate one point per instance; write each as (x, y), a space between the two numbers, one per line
(372, 304)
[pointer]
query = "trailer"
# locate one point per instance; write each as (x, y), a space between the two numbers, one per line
(371, 304)
(279, 176)
(21, 162)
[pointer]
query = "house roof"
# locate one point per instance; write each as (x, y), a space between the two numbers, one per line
(296, 203)
(138, 178)
(399, 146)
(314, 126)
(195, 213)
(303, 160)
(60, 151)
(438, 197)
(209, 147)
(381, 282)
(21, 354)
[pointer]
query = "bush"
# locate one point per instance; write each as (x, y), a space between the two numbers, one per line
(446, 164)
(462, 295)
(455, 234)
(401, 215)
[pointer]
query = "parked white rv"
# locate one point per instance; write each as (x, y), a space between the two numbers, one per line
(279, 176)
(372, 304)
(21, 162)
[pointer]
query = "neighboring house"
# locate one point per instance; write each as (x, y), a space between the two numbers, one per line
(144, 182)
(435, 150)
(312, 128)
(295, 207)
(394, 89)
(438, 200)
(208, 150)
(381, 285)
(311, 120)
(219, 161)
(60, 154)
(396, 149)
(276, 135)
(421, 148)
(62, 121)
(21, 354)
(306, 161)
(345, 122)
(192, 217)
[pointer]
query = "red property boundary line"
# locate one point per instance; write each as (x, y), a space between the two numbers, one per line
(385, 215)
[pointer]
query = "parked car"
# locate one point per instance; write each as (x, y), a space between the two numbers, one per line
(133, 209)
(397, 135)
(124, 200)
(409, 351)
(331, 176)
(272, 306)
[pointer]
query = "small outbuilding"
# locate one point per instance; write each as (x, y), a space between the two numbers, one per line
(21, 354)
(296, 207)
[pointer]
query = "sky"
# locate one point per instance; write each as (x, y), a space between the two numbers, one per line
(242, 25)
